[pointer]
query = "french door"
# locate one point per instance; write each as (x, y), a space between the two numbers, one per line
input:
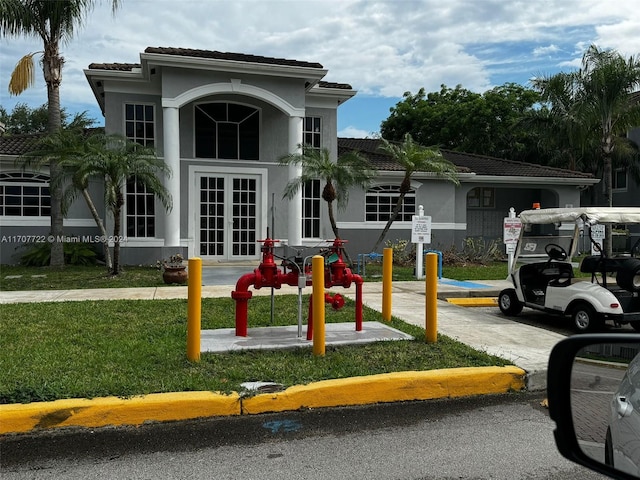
(227, 222)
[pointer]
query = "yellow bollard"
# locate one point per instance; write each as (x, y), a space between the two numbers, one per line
(431, 297)
(317, 282)
(194, 309)
(387, 270)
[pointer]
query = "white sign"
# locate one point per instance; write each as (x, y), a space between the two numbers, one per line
(420, 229)
(512, 227)
(511, 248)
(597, 234)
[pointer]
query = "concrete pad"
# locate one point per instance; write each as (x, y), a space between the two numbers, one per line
(273, 338)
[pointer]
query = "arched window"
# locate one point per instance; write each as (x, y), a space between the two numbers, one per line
(227, 131)
(24, 194)
(381, 200)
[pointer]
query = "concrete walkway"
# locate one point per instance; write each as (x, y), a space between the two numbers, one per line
(526, 346)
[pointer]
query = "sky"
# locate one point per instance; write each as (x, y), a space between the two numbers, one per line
(381, 48)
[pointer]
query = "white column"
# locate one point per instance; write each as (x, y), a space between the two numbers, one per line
(294, 227)
(171, 132)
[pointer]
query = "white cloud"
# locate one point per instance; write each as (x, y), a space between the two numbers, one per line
(382, 48)
(354, 132)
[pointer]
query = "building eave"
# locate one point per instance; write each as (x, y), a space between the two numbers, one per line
(522, 180)
(311, 75)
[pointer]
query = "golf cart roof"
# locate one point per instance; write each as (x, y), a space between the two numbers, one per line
(589, 215)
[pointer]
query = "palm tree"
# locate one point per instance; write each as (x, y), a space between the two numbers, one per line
(53, 22)
(607, 82)
(349, 170)
(414, 158)
(600, 106)
(564, 135)
(67, 147)
(115, 159)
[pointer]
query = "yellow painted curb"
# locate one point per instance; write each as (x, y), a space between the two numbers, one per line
(390, 387)
(100, 412)
(474, 301)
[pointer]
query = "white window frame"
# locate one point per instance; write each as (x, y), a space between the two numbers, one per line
(390, 191)
(139, 194)
(312, 132)
(143, 139)
(310, 203)
(26, 180)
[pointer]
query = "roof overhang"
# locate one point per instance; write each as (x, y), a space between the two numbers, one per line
(309, 74)
(522, 180)
(318, 96)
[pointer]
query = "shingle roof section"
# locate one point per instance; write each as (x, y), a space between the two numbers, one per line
(237, 57)
(465, 162)
(17, 144)
(344, 86)
(122, 67)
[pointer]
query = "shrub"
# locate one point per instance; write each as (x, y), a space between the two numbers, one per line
(404, 253)
(75, 253)
(474, 251)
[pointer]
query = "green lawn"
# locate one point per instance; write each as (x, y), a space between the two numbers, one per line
(125, 347)
(73, 277)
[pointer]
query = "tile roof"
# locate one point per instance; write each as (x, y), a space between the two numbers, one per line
(237, 57)
(213, 54)
(465, 162)
(17, 144)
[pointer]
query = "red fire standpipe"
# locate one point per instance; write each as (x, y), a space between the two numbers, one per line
(268, 275)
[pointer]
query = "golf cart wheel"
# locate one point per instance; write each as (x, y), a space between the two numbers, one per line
(628, 277)
(584, 317)
(509, 303)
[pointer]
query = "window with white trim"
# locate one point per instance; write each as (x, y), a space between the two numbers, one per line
(619, 179)
(381, 200)
(311, 209)
(140, 214)
(24, 194)
(312, 132)
(139, 123)
(227, 131)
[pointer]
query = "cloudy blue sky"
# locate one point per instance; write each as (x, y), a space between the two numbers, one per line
(382, 48)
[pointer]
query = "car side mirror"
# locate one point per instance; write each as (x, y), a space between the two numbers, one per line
(593, 386)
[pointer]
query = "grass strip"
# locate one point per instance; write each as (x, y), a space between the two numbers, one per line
(92, 349)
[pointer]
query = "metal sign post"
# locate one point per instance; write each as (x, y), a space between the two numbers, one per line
(512, 228)
(420, 234)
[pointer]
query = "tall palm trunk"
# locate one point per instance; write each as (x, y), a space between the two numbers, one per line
(103, 230)
(607, 176)
(117, 212)
(52, 68)
(392, 218)
(332, 220)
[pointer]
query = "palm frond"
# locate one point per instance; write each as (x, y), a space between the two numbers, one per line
(23, 75)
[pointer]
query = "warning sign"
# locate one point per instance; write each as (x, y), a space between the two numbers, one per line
(420, 229)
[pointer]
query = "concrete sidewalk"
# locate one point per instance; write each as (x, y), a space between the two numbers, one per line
(526, 346)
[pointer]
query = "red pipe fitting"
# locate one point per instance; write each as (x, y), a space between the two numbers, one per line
(242, 295)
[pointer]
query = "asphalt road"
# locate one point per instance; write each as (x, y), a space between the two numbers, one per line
(554, 323)
(496, 437)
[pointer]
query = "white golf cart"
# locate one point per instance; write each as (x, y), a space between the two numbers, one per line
(543, 276)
